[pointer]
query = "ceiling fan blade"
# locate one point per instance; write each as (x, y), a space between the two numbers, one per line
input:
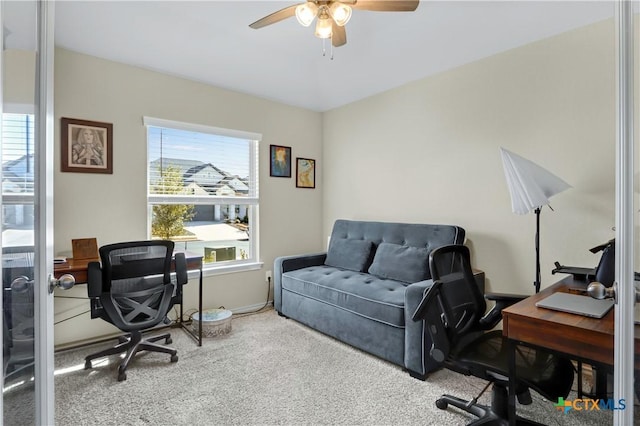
(338, 35)
(386, 5)
(278, 16)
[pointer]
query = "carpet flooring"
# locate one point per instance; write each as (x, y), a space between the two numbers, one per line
(269, 371)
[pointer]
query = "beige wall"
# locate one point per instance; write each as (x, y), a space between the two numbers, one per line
(428, 152)
(113, 207)
(19, 67)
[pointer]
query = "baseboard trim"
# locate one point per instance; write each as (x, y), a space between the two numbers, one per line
(251, 308)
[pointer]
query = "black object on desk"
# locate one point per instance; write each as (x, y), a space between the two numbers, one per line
(581, 274)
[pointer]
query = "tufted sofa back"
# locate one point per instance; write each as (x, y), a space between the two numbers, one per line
(407, 234)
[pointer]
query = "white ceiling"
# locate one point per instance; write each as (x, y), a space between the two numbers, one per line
(211, 42)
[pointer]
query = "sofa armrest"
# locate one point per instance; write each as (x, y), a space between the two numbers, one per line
(284, 264)
(417, 342)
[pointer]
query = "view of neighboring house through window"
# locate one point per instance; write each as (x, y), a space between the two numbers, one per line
(17, 179)
(203, 190)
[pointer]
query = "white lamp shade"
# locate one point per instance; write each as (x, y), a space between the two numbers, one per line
(306, 13)
(530, 185)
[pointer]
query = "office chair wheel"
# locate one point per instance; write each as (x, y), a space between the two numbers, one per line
(441, 404)
(168, 341)
(174, 358)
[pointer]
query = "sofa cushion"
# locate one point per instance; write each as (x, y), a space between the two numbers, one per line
(362, 294)
(349, 254)
(401, 263)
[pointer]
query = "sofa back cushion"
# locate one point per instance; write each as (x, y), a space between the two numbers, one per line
(401, 263)
(421, 236)
(354, 255)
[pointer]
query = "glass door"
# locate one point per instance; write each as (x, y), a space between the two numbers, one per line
(27, 204)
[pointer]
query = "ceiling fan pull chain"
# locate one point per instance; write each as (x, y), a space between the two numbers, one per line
(331, 46)
(324, 47)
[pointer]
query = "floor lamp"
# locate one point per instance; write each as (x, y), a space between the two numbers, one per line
(530, 187)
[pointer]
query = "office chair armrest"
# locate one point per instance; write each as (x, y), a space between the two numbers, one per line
(505, 297)
(181, 269)
(429, 311)
(494, 316)
(94, 280)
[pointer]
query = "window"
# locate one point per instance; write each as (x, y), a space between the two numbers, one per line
(17, 179)
(203, 191)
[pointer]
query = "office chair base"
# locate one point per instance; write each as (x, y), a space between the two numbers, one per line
(132, 344)
(496, 414)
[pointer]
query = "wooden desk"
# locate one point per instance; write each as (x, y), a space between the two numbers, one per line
(578, 337)
(78, 268)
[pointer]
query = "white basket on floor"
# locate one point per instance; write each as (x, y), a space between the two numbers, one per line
(215, 322)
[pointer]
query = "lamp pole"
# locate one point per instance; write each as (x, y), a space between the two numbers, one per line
(536, 283)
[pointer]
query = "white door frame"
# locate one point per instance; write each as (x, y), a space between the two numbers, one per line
(624, 313)
(43, 203)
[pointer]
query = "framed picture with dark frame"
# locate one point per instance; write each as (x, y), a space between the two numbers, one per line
(86, 146)
(305, 173)
(280, 161)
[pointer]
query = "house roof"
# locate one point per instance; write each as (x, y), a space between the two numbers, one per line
(191, 168)
(180, 163)
(197, 169)
(19, 169)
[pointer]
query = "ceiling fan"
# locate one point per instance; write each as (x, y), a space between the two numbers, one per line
(333, 15)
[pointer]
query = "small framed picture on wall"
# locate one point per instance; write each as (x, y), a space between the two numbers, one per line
(87, 146)
(280, 161)
(305, 173)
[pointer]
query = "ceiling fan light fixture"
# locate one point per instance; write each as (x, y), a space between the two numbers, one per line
(341, 13)
(323, 27)
(306, 13)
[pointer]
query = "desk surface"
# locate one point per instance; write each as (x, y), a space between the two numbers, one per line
(579, 336)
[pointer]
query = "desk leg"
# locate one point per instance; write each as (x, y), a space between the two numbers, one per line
(600, 379)
(197, 336)
(200, 308)
(181, 311)
(511, 347)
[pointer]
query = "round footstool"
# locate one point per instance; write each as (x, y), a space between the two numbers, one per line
(215, 322)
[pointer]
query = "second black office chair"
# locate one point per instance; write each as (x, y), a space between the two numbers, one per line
(134, 291)
(454, 312)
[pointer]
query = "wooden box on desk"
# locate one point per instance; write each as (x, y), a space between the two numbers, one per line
(85, 248)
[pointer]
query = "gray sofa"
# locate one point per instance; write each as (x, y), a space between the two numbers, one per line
(364, 289)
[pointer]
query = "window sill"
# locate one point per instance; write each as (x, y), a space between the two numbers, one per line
(209, 271)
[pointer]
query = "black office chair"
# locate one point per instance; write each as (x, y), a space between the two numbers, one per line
(454, 312)
(18, 304)
(134, 291)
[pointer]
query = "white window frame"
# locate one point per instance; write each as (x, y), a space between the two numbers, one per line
(252, 199)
